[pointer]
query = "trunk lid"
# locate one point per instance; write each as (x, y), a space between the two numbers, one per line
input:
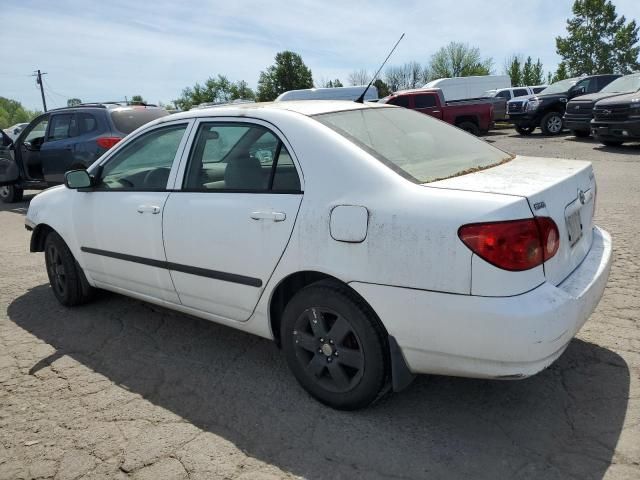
(561, 189)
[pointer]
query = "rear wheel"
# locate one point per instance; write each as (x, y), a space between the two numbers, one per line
(65, 275)
(551, 123)
(580, 133)
(335, 346)
(611, 143)
(525, 130)
(11, 194)
(470, 127)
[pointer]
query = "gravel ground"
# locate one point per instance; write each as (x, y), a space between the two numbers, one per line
(123, 389)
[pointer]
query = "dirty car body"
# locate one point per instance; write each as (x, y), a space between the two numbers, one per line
(372, 242)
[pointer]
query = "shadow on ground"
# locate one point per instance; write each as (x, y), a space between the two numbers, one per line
(17, 207)
(564, 422)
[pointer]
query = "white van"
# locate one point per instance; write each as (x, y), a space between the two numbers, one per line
(459, 88)
(509, 93)
(337, 93)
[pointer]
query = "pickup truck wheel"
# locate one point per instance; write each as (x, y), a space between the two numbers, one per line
(580, 133)
(469, 127)
(611, 143)
(65, 275)
(551, 123)
(335, 346)
(11, 194)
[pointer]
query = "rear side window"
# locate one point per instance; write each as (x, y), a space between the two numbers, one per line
(127, 119)
(424, 101)
(520, 92)
(400, 101)
(86, 123)
(504, 94)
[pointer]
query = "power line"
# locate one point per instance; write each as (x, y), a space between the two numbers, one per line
(51, 90)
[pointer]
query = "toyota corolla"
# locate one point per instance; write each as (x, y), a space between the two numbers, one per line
(371, 242)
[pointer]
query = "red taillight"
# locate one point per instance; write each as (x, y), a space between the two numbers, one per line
(107, 142)
(513, 245)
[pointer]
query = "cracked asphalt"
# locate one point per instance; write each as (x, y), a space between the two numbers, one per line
(122, 389)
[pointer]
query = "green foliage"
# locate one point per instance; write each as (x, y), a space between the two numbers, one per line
(72, 102)
(137, 99)
(12, 112)
(513, 68)
(598, 41)
(383, 88)
(561, 73)
(215, 89)
(287, 73)
(458, 60)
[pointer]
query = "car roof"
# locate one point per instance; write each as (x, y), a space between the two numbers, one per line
(303, 107)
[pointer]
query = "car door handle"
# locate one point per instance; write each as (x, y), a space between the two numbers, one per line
(148, 209)
(275, 216)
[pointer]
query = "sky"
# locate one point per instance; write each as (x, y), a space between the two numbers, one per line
(101, 51)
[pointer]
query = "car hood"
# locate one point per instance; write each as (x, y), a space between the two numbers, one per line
(625, 99)
(594, 97)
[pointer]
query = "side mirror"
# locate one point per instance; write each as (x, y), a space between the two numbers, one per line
(577, 90)
(75, 179)
(28, 145)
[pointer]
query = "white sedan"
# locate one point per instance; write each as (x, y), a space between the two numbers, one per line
(371, 242)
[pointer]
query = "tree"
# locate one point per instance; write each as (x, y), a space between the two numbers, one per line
(287, 73)
(215, 89)
(512, 67)
(561, 73)
(137, 99)
(72, 102)
(333, 83)
(538, 73)
(598, 41)
(409, 75)
(459, 60)
(12, 112)
(383, 88)
(359, 77)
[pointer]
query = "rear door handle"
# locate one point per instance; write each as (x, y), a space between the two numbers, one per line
(148, 209)
(275, 216)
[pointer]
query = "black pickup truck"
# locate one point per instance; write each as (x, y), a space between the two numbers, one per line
(546, 109)
(579, 113)
(617, 120)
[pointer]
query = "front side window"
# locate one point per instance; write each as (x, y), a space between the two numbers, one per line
(38, 131)
(504, 94)
(520, 92)
(144, 163)
(240, 157)
(416, 146)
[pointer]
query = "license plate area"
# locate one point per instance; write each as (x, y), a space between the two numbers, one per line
(574, 227)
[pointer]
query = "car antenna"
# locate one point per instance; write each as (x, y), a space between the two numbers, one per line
(361, 97)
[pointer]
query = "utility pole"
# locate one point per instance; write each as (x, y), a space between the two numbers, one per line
(38, 76)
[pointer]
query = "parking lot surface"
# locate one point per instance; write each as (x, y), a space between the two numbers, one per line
(122, 389)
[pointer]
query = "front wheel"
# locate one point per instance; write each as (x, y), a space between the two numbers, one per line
(335, 346)
(11, 194)
(551, 123)
(65, 275)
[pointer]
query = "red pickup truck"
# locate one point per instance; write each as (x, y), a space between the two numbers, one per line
(473, 115)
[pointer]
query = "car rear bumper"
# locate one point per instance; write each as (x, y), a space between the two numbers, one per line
(492, 337)
(622, 130)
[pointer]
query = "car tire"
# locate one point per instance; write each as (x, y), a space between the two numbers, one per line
(525, 130)
(469, 127)
(611, 143)
(335, 346)
(11, 194)
(581, 133)
(551, 123)
(66, 278)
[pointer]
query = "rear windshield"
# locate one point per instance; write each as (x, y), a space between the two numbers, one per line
(127, 119)
(416, 146)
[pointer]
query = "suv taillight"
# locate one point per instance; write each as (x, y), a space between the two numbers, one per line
(107, 142)
(513, 245)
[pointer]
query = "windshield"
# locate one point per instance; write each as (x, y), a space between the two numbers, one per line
(626, 84)
(414, 145)
(562, 86)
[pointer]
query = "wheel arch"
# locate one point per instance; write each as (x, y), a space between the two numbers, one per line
(467, 118)
(38, 237)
